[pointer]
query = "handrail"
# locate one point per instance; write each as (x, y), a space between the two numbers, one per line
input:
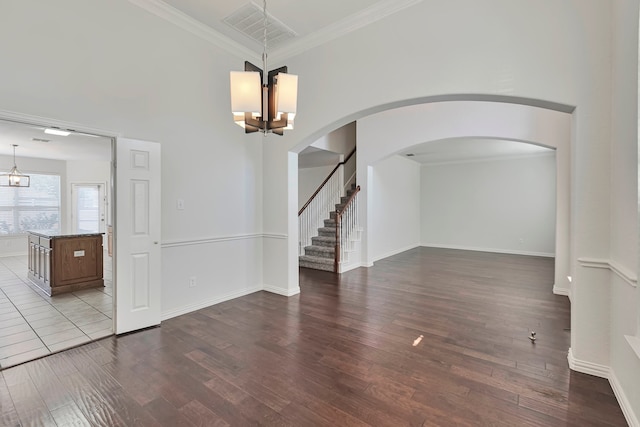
(339, 213)
(325, 181)
(336, 260)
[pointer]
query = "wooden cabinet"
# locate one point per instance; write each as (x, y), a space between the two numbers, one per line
(65, 263)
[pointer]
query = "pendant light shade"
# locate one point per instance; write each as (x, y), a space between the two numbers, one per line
(263, 101)
(286, 95)
(14, 178)
(246, 93)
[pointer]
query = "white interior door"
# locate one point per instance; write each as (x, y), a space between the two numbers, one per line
(88, 208)
(137, 235)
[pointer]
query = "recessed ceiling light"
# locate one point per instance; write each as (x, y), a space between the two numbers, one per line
(57, 132)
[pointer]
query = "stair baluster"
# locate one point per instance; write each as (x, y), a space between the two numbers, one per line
(346, 226)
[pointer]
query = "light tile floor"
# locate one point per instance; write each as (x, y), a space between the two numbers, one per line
(33, 324)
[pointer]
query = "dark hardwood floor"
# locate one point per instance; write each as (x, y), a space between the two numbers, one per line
(428, 337)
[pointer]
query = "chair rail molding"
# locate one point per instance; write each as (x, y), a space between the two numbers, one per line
(218, 239)
(626, 275)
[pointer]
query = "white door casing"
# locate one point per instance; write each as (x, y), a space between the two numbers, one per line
(137, 235)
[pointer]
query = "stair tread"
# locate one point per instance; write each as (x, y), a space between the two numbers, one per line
(328, 249)
(324, 238)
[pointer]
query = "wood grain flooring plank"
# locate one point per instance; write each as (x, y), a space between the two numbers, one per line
(200, 416)
(8, 414)
(429, 337)
(69, 415)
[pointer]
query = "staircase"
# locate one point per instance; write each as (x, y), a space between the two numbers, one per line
(322, 252)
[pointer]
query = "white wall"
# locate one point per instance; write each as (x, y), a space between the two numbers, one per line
(497, 205)
(625, 298)
(308, 181)
(18, 245)
(395, 206)
(341, 140)
(114, 66)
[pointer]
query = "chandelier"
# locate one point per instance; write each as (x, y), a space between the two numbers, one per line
(14, 178)
(265, 103)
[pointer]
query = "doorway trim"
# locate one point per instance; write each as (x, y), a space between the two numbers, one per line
(32, 120)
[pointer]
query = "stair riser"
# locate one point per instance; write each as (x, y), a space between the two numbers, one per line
(315, 266)
(317, 242)
(319, 253)
(327, 233)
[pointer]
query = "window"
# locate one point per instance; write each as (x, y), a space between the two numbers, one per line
(31, 208)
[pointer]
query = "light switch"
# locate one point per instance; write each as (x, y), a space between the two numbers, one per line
(180, 204)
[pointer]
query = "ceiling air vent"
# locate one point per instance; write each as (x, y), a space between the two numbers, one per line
(249, 20)
(40, 140)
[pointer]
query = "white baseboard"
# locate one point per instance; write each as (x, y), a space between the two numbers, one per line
(396, 252)
(280, 291)
(585, 367)
(561, 291)
(625, 405)
(207, 303)
(349, 267)
(492, 250)
(603, 371)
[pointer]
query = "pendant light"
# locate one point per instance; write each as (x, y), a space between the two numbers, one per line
(265, 103)
(14, 178)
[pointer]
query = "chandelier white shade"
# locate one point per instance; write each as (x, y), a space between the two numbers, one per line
(286, 95)
(263, 104)
(246, 93)
(268, 107)
(14, 178)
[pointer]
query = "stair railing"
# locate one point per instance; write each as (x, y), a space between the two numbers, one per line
(346, 227)
(319, 205)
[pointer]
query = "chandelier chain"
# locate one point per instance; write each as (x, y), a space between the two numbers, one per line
(264, 48)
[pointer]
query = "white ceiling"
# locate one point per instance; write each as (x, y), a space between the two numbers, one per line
(470, 149)
(73, 147)
(312, 23)
(303, 17)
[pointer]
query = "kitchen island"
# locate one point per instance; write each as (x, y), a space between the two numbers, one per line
(60, 263)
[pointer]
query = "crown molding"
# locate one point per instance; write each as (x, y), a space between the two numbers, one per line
(195, 27)
(351, 23)
(365, 17)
